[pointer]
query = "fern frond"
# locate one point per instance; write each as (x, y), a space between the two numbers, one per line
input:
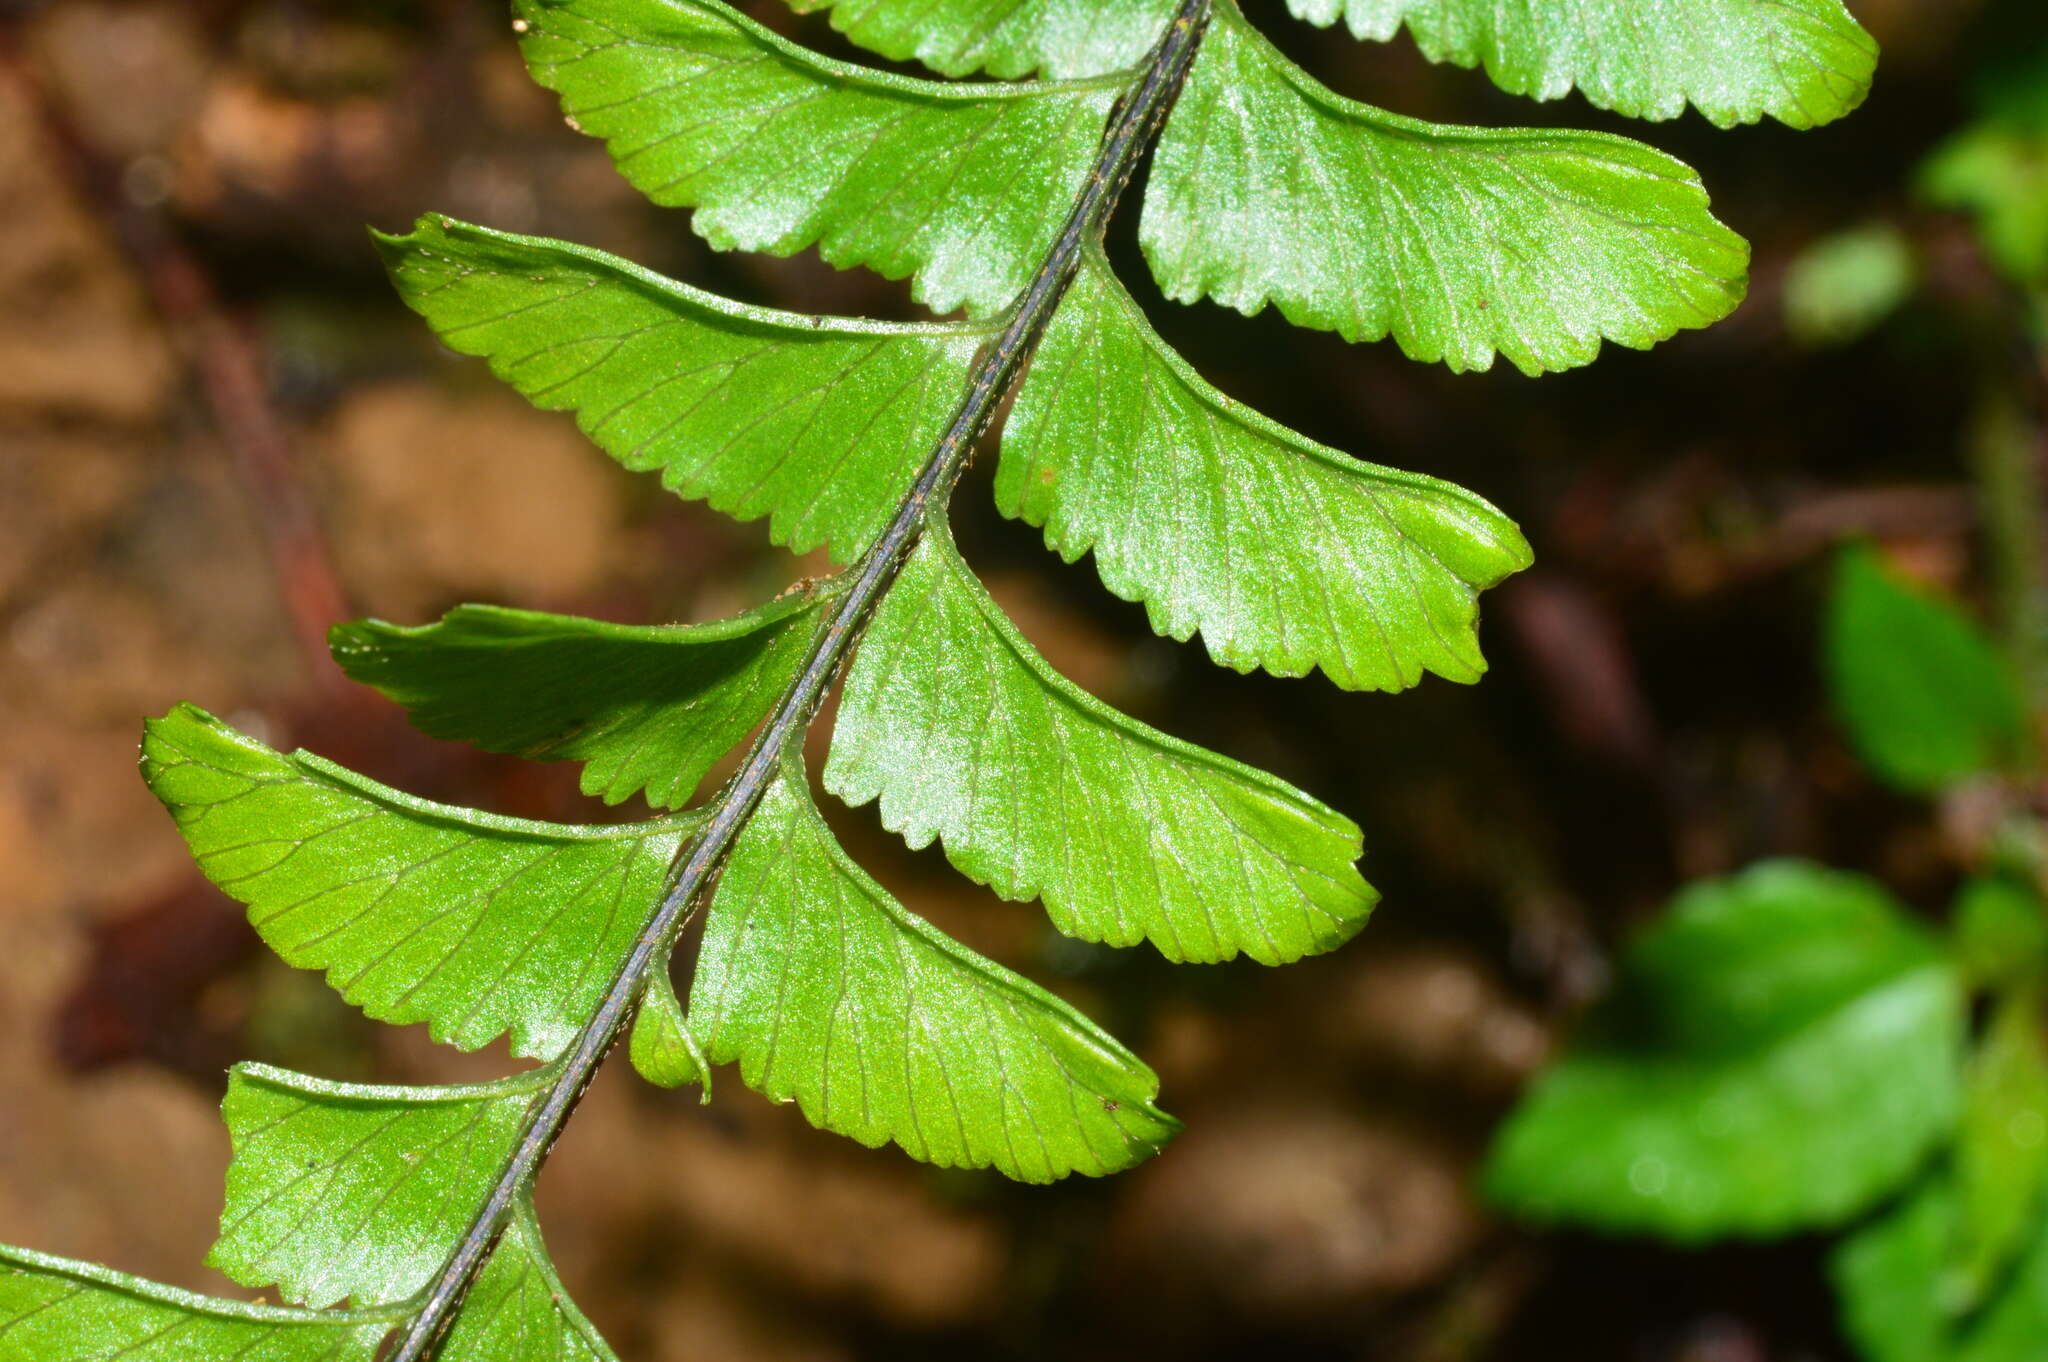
(415, 1203)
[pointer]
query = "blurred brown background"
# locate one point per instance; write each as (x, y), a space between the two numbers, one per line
(219, 431)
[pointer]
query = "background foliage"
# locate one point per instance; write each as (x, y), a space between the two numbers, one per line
(1655, 713)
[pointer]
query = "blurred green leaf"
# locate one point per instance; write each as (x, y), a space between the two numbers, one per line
(1924, 695)
(1781, 1050)
(1461, 243)
(2001, 931)
(1998, 174)
(1803, 62)
(1841, 286)
(1996, 167)
(1896, 1304)
(1901, 1301)
(2001, 1157)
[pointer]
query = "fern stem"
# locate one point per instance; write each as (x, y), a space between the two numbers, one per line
(1133, 126)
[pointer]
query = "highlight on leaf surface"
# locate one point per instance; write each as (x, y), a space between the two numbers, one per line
(1061, 38)
(57, 1310)
(340, 1191)
(827, 992)
(963, 186)
(648, 709)
(1803, 62)
(1283, 553)
(818, 423)
(475, 924)
(1459, 242)
(1782, 1050)
(951, 719)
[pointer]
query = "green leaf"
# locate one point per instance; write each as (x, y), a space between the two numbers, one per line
(779, 149)
(2001, 931)
(1459, 242)
(1902, 1301)
(827, 992)
(2001, 1156)
(2011, 1328)
(1842, 286)
(1995, 168)
(1896, 1305)
(1782, 1050)
(819, 423)
(342, 1191)
(1803, 62)
(954, 722)
(475, 924)
(1996, 171)
(662, 1049)
(56, 1310)
(1006, 38)
(519, 1311)
(1924, 695)
(1285, 554)
(649, 709)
